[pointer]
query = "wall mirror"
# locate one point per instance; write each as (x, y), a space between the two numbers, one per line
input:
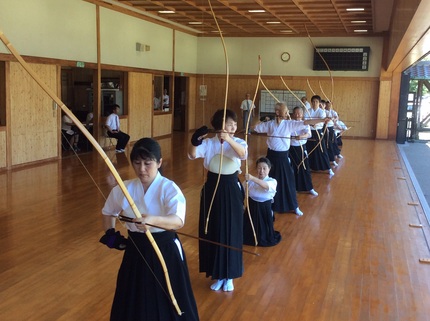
(162, 99)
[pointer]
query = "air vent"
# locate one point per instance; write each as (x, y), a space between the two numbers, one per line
(342, 58)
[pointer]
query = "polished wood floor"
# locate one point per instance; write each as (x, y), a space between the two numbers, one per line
(352, 256)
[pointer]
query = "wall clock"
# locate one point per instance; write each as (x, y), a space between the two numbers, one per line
(285, 56)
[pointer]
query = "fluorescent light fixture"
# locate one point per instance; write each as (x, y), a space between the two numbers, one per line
(256, 11)
(195, 23)
(360, 30)
(273, 22)
(358, 21)
(355, 9)
(286, 31)
(216, 31)
(115, 3)
(166, 11)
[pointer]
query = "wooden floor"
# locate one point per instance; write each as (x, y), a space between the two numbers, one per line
(352, 256)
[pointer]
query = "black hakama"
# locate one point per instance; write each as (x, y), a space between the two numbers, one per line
(150, 300)
(339, 142)
(262, 218)
(285, 199)
(329, 143)
(318, 158)
(302, 171)
(225, 227)
(333, 143)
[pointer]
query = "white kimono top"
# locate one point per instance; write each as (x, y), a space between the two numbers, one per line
(319, 113)
(298, 142)
(162, 198)
(280, 140)
(259, 194)
(332, 114)
(212, 146)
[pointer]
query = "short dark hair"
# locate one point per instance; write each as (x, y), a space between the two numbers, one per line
(263, 160)
(115, 107)
(217, 118)
(316, 97)
(146, 149)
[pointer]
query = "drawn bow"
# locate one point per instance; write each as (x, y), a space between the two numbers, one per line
(102, 153)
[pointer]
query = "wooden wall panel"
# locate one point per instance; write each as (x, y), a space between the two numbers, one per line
(394, 105)
(355, 99)
(162, 125)
(191, 108)
(2, 148)
(33, 126)
(383, 110)
(139, 105)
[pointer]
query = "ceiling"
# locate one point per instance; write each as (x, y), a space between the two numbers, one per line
(300, 18)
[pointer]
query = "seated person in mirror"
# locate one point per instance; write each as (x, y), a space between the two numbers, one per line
(112, 129)
(69, 132)
(157, 102)
(166, 101)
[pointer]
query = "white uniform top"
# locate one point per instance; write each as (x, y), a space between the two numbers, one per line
(339, 126)
(246, 103)
(166, 101)
(259, 194)
(332, 114)
(113, 121)
(156, 103)
(307, 105)
(68, 128)
(319, 113)
(298, 142)
(211, 147)
(280, 140)
(162, 198)
(89, 120)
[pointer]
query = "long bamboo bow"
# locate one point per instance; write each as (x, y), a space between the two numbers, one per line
(332, 86)
(246, 160)
(295, 96)
(223, 118)
(100, 150)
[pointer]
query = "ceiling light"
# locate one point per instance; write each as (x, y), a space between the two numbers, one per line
(273, 22)
(256, 11)
(360, 30)
(355, 9)
(166, 11)
(195, 23)
(286, 31)
(358, 21)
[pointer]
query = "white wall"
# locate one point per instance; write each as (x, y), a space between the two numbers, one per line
(63, 29)
(119, 34)
(243, 55)
(185, 52)
(66, 29)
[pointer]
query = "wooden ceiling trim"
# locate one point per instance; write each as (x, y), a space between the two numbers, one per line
(248, 17)
(328, 17)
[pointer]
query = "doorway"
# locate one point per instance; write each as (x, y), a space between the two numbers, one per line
(180, 104)
(414, 104)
